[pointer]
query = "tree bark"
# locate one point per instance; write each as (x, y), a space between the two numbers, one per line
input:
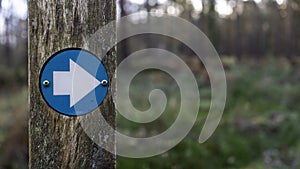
(55, 140)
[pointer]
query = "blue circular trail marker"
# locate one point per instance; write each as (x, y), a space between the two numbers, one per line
(73, 82)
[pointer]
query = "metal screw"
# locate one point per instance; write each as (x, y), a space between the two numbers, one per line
(104, 82)
(46, 83)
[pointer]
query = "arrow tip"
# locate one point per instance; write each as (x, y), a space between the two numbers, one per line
(82, 83)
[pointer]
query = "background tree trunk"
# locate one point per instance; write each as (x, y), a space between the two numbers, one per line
(58, 141)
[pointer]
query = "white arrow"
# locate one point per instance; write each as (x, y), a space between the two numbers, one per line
(77, 83)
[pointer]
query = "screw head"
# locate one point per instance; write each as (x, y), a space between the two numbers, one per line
(46, 83)
(104, 82)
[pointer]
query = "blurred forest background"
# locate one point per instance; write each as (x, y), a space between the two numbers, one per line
(259, 44)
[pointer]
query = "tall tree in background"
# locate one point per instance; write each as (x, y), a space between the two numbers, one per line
(7, 40)
(211, 24)
(13, 36)
(293, 33)
(252, 22)
(123, 50)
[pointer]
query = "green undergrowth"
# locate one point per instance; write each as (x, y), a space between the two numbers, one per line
(259, 128)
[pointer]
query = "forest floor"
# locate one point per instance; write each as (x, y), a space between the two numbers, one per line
(259, 128)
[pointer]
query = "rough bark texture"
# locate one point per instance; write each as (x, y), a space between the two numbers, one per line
(58, 141)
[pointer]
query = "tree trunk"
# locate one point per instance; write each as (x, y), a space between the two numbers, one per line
(289, 32)
(55, 140)
(7, 49)
(238, 36)
(123, 47)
